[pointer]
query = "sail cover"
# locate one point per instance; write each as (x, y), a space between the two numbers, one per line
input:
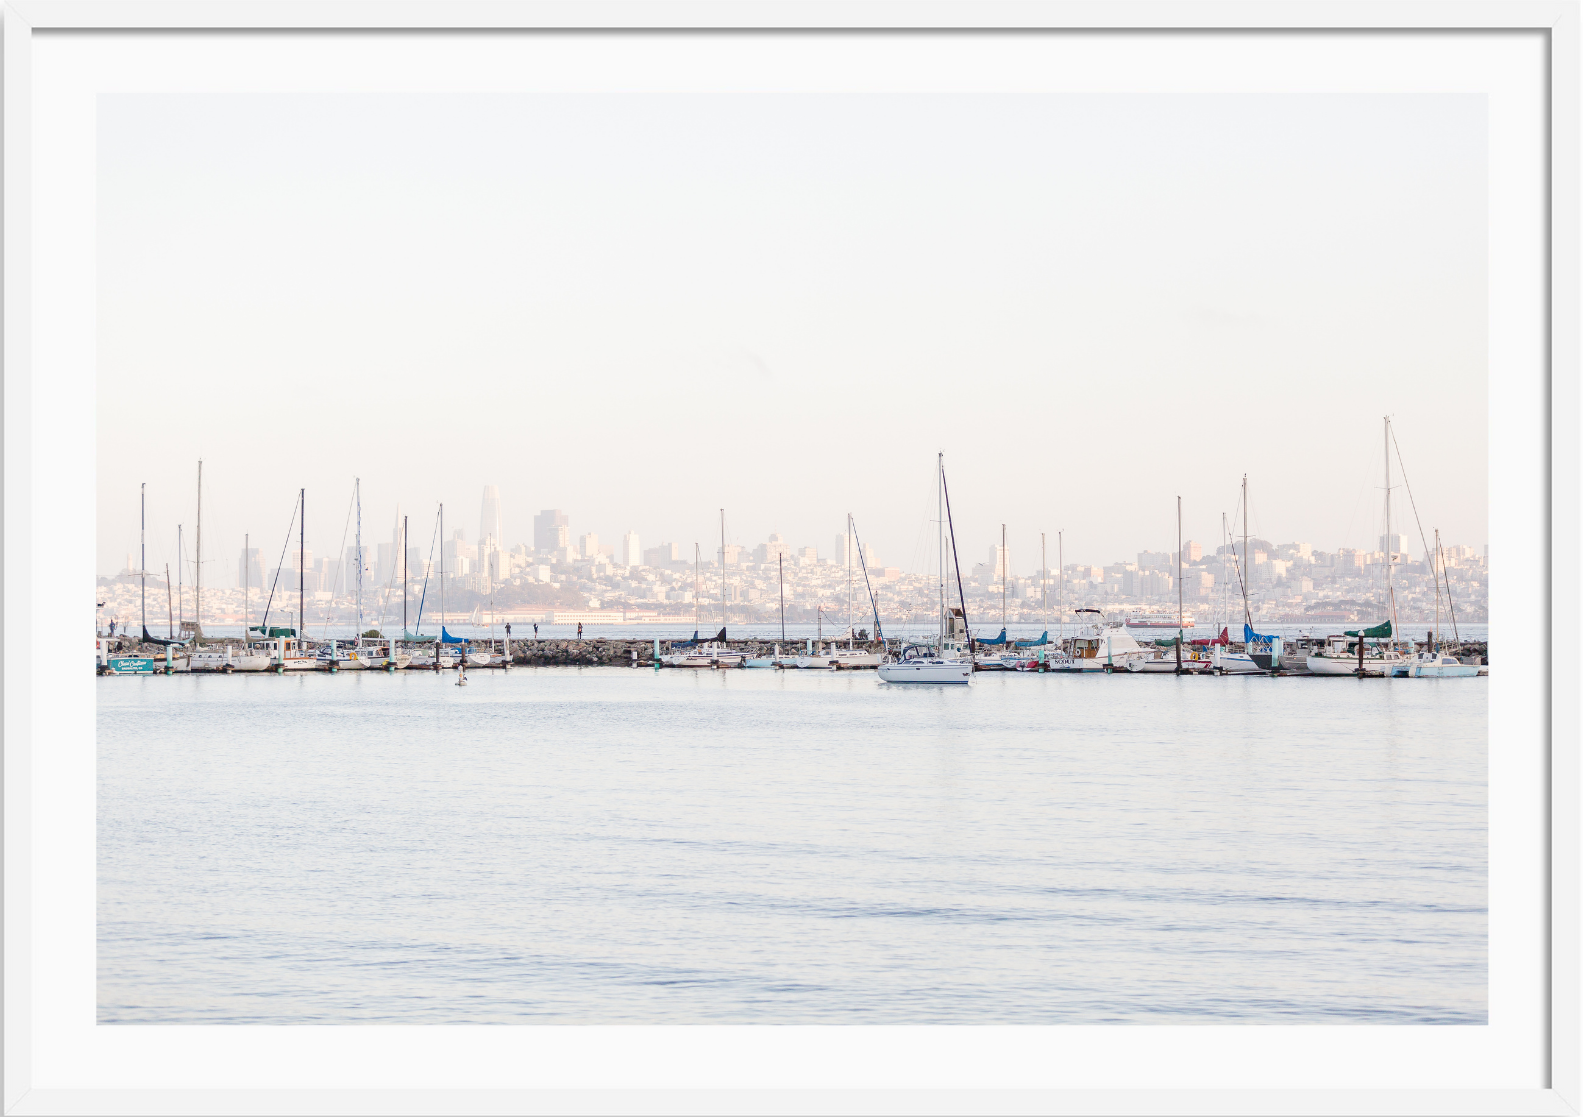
(718, 637)
(1378, 632)
(1222, 640)
(272, 632)
(1251, 637)
(161, 641)
(1001, 639)
(409, 638)
(1044, 638)
(447, 638)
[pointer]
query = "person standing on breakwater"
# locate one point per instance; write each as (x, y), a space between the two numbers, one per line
(508, 628)
(579, 630)
(535, 630)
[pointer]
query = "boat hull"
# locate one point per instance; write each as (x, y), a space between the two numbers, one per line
(946, 671)
(1443, 671)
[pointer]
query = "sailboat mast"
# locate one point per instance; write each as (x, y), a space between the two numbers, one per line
(780, 573)
(357, 541)
(403, 575)
(697, 587)
(302, 569)
(1005, 576)
(181, 556)
(442, 582)
(848, 549)
(1179, 626)
(1247, 571)
(247, 570)
(142, 544)
(1390, 547)
(197, 562)
(1439, 569)
(722, 568)
(939, 499)
(1060, 562)
(1044, 583)
(170, 618)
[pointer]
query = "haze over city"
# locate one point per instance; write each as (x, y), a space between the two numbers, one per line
(643, 309)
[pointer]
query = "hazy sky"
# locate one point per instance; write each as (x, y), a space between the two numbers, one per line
(642, 308)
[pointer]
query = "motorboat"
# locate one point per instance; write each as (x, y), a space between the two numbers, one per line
(367, 656)
(284, 653)
(1438, 665)
(1338, 655)
(1104, 645)
(227, 659)
(710, 654)
(763, 661)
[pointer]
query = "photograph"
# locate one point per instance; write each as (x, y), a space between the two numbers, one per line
(831, 553)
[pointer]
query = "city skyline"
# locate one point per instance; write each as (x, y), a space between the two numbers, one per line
(1096, 304)
(378, 538)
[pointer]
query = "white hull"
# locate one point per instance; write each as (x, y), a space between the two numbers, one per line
(927, 671)
(1167, 665)
(856, 659)
(1446, 668)
(816, 663)
(219, 661)
(1348, 665)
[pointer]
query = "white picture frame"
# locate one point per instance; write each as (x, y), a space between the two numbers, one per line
(28, 415)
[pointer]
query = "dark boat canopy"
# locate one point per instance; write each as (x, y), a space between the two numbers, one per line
(1378, 632)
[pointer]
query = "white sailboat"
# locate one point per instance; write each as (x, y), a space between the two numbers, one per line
(948, 661)
(1433, 662)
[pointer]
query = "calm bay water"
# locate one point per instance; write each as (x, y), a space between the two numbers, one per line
(607, 845)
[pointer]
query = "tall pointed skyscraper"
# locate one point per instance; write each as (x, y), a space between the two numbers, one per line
(489, 518)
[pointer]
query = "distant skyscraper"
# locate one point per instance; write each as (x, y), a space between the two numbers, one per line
(249, 567)
(631, 550)
(489, 516)
(843, 548)
(551, 530)
(588, 545)
(997, 562)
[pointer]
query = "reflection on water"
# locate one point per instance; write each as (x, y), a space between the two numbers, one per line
(610, 845)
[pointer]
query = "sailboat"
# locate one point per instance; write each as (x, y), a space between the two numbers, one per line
(1433, 662)
(286, 647)
(852, 656)
(949, 661)
(1224, 661)
(139, 664)
(1337, 657)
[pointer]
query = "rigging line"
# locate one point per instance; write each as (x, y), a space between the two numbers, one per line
(1422, 538)
(418, 624)
(264, 623)
(955, 560)
(1449, 602)
(340, 565)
